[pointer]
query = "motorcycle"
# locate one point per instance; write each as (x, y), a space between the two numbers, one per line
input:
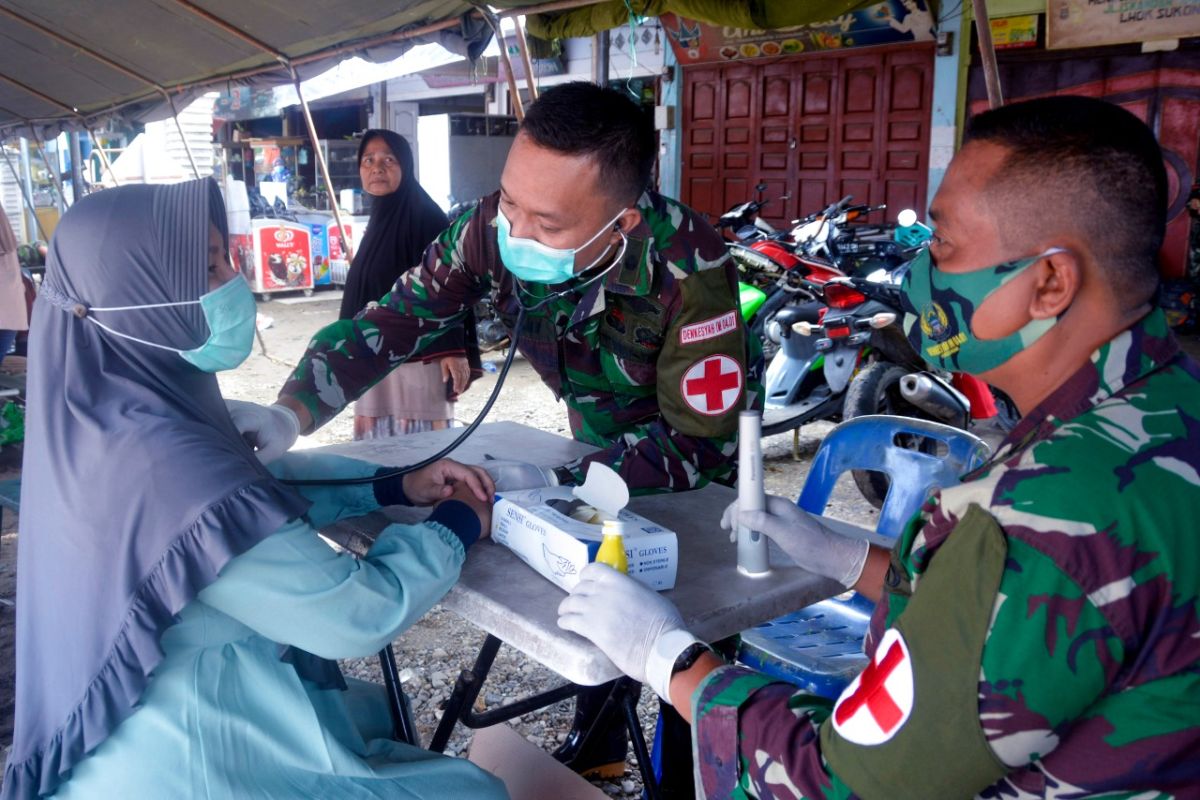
(743, 222)
(807, 379)
(772, 275)
(837, 236)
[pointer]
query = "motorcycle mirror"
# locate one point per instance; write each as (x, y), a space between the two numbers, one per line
(906, 217)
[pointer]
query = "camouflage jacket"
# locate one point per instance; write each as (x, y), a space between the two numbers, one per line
(651, 361)
(1039, 634)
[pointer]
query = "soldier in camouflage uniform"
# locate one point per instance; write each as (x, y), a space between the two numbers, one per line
(651, 358)
(1038, 633)
(646, 347)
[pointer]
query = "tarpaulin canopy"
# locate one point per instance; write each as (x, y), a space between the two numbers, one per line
(69, 63)
(73, 63)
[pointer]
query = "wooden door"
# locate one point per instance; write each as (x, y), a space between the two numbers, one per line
(813, 127)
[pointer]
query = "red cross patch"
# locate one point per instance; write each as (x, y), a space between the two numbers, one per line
(879, 701)
(712, 385)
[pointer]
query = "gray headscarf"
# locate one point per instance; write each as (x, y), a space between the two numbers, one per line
(136, 487)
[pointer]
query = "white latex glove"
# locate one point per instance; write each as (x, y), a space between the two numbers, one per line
(802, 537)
(640, 631)
(513, 475)
(270, 430)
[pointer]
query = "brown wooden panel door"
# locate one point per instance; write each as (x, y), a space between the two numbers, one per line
(904, 157)
(816, 127)
(737, 140)
(699, 132)
(861, 128)
(775, 152)
(816, 132)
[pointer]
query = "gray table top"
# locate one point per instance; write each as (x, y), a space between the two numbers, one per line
(500, 594)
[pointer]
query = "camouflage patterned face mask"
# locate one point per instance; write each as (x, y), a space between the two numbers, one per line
(942, 305)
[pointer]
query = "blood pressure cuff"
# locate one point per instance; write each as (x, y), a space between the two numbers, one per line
(909, 726)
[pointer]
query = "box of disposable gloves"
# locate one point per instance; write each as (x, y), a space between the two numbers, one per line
(557, 530)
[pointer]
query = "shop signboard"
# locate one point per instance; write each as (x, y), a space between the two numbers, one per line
(1089, 23)
(889, 22)
(1011, 33)
(243, 102)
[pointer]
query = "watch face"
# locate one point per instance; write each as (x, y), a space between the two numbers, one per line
(688, 657)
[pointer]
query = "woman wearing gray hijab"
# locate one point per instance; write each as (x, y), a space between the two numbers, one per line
(162, 567)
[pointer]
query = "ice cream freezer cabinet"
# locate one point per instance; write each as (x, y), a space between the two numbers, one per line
(276, 256)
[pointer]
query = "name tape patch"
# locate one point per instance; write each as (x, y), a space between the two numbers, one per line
(708, 329)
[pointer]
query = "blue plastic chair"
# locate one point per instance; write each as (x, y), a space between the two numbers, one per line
(820, 648)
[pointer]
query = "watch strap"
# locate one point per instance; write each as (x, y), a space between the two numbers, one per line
(660, 665)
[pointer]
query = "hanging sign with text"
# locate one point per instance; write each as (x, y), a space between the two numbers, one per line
(1088, 23)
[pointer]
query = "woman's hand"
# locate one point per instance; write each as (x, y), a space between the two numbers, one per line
(444, 479)
(456, 370)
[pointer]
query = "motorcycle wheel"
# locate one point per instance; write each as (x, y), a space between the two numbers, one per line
(876, 390)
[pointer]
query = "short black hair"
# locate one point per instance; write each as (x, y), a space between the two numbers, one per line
(1084, 163)
(581, 118)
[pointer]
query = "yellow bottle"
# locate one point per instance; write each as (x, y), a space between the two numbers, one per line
(612, 547)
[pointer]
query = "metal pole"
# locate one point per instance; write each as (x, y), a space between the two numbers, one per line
(523, 46)
(600, 58)
(52, 169)
(312, 136)
(513, 89)
(27, 174)
(991, 73)
(76, 167)
(104, 158)
(186, 147)
(25, 194)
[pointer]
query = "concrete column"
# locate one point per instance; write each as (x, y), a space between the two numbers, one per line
(670, 153)
(943, 131)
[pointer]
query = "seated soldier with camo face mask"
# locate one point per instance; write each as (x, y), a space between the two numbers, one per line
(1038, 626)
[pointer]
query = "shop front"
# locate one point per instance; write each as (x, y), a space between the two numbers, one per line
(816, 112)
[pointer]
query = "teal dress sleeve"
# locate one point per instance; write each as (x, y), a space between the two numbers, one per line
(296, 590)
(329, 503)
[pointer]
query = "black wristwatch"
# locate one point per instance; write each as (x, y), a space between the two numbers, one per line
(689, 657)
(565, 477)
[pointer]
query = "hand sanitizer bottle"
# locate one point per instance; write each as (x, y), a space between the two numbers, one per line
(612, 546)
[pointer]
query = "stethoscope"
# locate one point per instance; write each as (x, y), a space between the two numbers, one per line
(514, 338)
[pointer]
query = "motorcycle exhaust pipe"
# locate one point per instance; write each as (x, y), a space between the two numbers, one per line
(936, 398)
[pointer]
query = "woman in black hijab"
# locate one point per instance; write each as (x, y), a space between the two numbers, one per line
(404, 220)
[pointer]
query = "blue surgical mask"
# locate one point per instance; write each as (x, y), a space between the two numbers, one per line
(533, 262)
(230, 313)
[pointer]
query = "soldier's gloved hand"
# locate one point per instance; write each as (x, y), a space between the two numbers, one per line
(640, 631)
(802, 537)
(270, 430)
(513, 475)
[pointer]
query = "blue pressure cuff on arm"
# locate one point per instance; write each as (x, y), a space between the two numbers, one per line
(390, 491)
(462, 521)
